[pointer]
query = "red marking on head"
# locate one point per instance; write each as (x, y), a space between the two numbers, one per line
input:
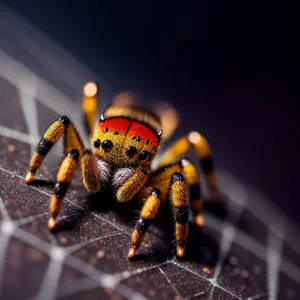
(115, 124)
(145, 133)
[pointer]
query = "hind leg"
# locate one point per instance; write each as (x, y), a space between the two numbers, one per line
(89, 105)
(193, 180)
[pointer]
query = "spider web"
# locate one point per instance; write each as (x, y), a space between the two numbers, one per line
(247, 250)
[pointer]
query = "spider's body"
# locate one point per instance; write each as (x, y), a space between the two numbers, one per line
(123, 145)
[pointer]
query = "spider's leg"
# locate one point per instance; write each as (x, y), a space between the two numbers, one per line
(86, 161)
(179, 195)
(89, 105)
(51, 137)
(147, 214)
(193, 181)
(76, 156)
(64, 177)
(90, 179)
(188, 168)
(202, 148)
(165, 181)
(89, 174)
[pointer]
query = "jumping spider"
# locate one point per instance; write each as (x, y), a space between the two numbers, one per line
(123, 145)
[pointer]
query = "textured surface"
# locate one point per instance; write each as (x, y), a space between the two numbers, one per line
(247, 249)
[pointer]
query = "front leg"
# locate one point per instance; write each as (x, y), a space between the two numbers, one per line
(90, 179)
(76, 156)
(128, 182)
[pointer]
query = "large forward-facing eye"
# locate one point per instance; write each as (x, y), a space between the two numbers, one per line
(131, 151)
(97, 143)
(107, 145)
(144, 155)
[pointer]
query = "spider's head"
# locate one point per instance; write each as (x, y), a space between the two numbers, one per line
(123, 142)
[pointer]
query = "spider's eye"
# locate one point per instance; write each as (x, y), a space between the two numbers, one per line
(97, 143)
(144, 155)
(107, 145)
(131, 151)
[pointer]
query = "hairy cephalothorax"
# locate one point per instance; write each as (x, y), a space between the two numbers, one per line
(123, 145)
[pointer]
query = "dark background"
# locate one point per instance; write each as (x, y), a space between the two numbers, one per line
(225, 66)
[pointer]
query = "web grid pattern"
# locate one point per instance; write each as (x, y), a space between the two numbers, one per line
(244, 251)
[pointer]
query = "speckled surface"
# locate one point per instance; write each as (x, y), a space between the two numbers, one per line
(86, 257)
(243, 252)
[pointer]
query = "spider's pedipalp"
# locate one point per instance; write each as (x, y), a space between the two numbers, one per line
(132, 185)
(104, 170)
(89, 172)
(120, 176)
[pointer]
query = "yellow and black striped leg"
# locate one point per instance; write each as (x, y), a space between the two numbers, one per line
(51, 136)
(90, 179)
(193, 180)
(64, 178)
(179, 194)
(203, 151)
(89, 105)
(54, 132)
(148, 213)
(202, 148)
